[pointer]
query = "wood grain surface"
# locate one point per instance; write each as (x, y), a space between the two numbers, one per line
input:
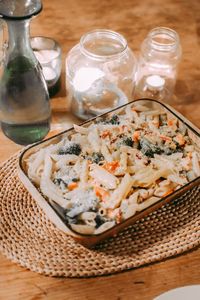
(66, 21)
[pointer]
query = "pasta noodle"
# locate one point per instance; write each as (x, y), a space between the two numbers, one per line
(121, 192)
(104, 177)
(84, 172)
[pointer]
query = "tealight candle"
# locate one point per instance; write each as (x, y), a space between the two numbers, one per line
(48, 53)
(85, 77)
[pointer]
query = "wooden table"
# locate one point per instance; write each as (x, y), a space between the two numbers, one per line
(66, 21)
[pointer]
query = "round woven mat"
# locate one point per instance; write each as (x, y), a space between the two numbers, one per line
(30, 239)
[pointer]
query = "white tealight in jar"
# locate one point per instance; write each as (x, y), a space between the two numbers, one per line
(100, 73)
(48, 53)
(153, 87)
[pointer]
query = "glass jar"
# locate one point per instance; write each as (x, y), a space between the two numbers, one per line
(159, 57)
(100, 73)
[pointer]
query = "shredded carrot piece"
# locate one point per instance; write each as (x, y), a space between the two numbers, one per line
(180, 139)
(72, 185)
(170, 122)
(111, 166)
(105, 133)
(165, 138)
(136, 136)
(101, 193)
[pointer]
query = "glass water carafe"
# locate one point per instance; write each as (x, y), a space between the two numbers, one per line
(24, 99)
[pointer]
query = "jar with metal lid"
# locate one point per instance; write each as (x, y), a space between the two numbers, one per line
(159, 56)
(100, 73)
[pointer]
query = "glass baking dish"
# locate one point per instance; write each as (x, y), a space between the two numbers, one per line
(56, 213)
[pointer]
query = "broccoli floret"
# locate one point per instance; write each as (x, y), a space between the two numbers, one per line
(169, 151)
(178, 147)
(128, 141)
(99, 220)
(114, 120)
(59, 181)
(71, 149)
(97, 157)
(75, 179)
(149, 149)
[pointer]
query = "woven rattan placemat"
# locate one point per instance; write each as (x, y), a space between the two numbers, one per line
(28, 238)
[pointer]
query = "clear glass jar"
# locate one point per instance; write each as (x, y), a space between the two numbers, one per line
(100, 73)
(160, 55)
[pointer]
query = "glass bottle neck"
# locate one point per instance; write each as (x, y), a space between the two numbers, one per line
(19, 39)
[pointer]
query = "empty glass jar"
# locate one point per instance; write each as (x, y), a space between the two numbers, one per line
(157, 66)
(100, 73)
